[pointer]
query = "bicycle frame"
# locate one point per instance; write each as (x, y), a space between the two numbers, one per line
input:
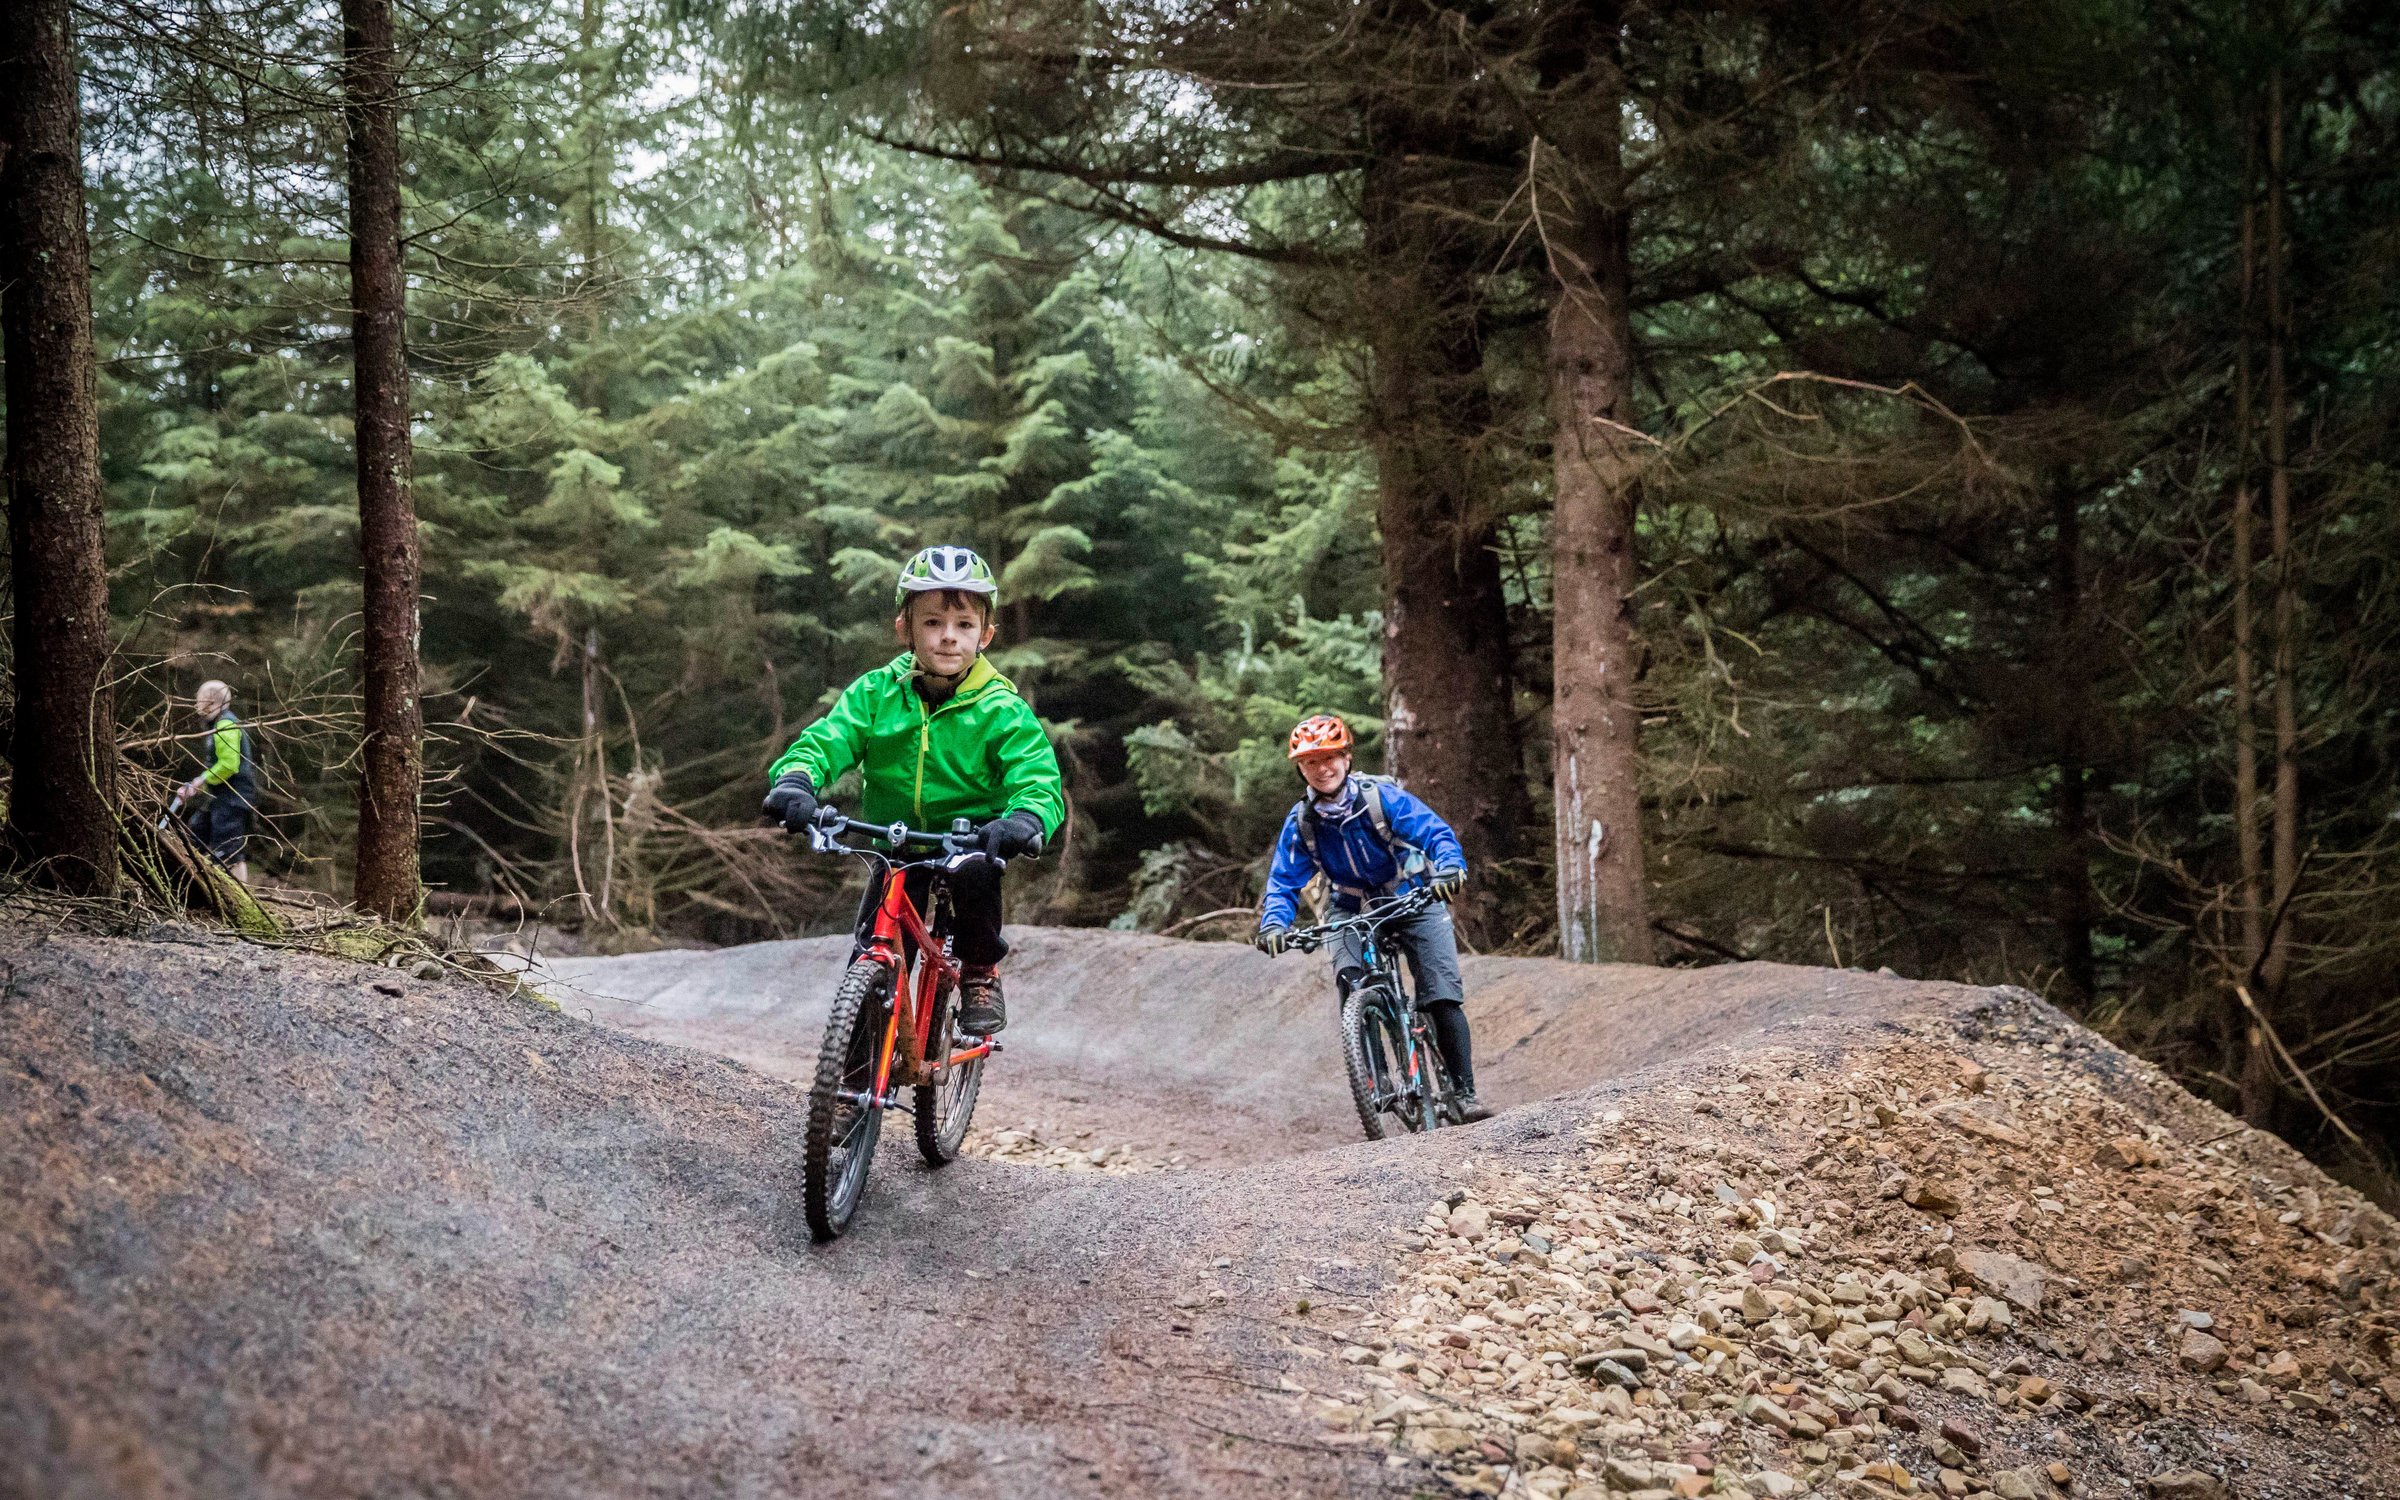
(897, 923)
(1402, 1001)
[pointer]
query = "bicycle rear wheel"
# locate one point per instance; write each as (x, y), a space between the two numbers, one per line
(1375, 1053)
(943, 1109)
(844, 1120)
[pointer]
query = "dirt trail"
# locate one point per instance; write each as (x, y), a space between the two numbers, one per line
(273, 1224)
(1210, 1049)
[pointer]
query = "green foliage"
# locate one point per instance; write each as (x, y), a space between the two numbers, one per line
(678, 423)
(1221, 759)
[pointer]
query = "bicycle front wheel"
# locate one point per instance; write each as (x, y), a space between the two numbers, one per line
(844, 1117)
(1375, 1052)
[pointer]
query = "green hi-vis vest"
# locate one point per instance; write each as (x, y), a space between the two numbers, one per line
(227, 751)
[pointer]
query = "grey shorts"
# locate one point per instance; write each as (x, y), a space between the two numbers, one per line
(1432, 948)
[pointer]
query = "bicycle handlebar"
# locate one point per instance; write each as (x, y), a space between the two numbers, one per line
(826, 829)
(1310, 939)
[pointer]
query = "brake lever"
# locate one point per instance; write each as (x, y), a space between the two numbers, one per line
(824, 831)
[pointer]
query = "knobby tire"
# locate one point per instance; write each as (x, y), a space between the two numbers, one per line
(1374, 1053)
(842, 1134)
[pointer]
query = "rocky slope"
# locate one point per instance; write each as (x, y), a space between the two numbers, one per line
(274, 1224)
(2004, 1262)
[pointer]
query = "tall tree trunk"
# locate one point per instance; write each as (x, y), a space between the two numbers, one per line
(62, 802)
(2075, 902)
(2279, 520)
(595, 74)
(1449, 693)
(2257, 1080)
(387, 879)
(1603, 904)
(2248, 851)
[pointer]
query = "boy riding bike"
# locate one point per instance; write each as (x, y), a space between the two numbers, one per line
(938, 735)
(1369, 836)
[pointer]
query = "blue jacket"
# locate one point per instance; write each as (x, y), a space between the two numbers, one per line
(1352, 853)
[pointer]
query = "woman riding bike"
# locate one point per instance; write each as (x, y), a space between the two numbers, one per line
(1372, 840)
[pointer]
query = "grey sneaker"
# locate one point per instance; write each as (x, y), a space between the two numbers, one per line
(980, 1008)
(1470, 1108)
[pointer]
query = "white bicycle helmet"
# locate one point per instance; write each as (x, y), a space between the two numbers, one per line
(937, 569)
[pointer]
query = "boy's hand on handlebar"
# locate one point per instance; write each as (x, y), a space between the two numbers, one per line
(1273, 940)
(792, 801)
(1446, 884)
(1020, 833)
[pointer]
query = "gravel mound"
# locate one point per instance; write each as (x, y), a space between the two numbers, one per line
(278, 1225)
(2008, 1262)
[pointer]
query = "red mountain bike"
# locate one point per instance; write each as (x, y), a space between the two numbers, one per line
(892, 1021)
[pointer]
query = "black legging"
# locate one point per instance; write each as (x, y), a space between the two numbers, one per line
(1448, 1019)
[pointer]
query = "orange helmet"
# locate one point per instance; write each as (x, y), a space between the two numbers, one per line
(1318, 734)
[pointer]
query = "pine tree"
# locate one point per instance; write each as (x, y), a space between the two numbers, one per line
(63, 746)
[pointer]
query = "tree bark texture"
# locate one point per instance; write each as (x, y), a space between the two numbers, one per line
(2254, 1066)
(1603, 901)
(387, 880)
(2286, 848)
(1451, 731)
(2249, 854)
(2075, 903)
(62, 800)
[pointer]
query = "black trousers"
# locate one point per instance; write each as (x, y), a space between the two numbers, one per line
(974, 905)
(222, 825)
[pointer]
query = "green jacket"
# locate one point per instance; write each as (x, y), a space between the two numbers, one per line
(980, 755)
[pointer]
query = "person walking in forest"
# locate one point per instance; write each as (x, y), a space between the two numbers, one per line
(938, 734)
(228, 782)
(1372, 840)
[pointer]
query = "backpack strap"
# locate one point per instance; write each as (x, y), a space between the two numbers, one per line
(1305, 820)
(1370, 793)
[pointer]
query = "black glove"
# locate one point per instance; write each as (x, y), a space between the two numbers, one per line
(1020, 833)
(1446, 884)
(1272, 940)
(791, 801)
